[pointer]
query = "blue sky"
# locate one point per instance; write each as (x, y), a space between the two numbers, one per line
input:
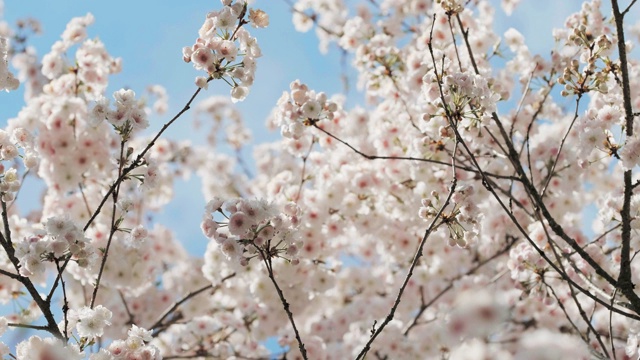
(149, 36)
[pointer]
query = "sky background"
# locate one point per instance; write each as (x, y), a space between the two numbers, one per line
(149, 36)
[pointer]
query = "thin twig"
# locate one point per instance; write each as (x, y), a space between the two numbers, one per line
(112, 230)
(628, 8)
(455, 45)
(304, 169)
(65, 305)
(434, 225)
(138, 161)
(564, 138)
(438, 162)
(28, 326)
(613, 349)
(313, 17)
(266, 257)
(527, 89)
(424, 306)
(126, 308)
(158, 323)
(242, 164)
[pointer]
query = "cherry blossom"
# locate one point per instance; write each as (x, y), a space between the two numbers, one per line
(478, 200)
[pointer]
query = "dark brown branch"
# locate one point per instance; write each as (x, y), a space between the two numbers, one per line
(625, 283)
(535, 196)
(65, 305)
(583, 314)
(27, 326)
(628, 8)
(44, 305)
(10, 274)
(513, 156)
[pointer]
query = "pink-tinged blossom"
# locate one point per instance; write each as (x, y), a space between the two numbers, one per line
(7, 80)
(239, 224)
(610, 115)
(202, 82)
(231, 249)
(228, 50)
(3, 325)
(52, 65)
(36, 348)
(76, 31)
(258, 18)
(338, 229)
(239, 93)
(100, 111)
(514, 40)
(91, 322)
(124, 97)
(630, 152)
(202, 58)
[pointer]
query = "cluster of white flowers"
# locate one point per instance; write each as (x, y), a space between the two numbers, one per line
(89, 322)
(252, 228)
(36, 348)
(300, 108)
(4, 349)
(466, 95)
(630, 153)
(7, 80)
(462, 221)
(9, 151)
(134, 347)
(60, 237)
(92, 65)
(129, 114)
(221, 40)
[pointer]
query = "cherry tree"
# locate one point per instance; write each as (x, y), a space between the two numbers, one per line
(444, 217)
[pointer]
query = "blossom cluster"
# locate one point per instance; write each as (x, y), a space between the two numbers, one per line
(93, 63)
(253, 228)
(7, 80)
(465, 96)
(90, 323)
(462, 221)
(129, 114)
(301, 107)
(221, 41)
(9, 151)
(59, 238)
